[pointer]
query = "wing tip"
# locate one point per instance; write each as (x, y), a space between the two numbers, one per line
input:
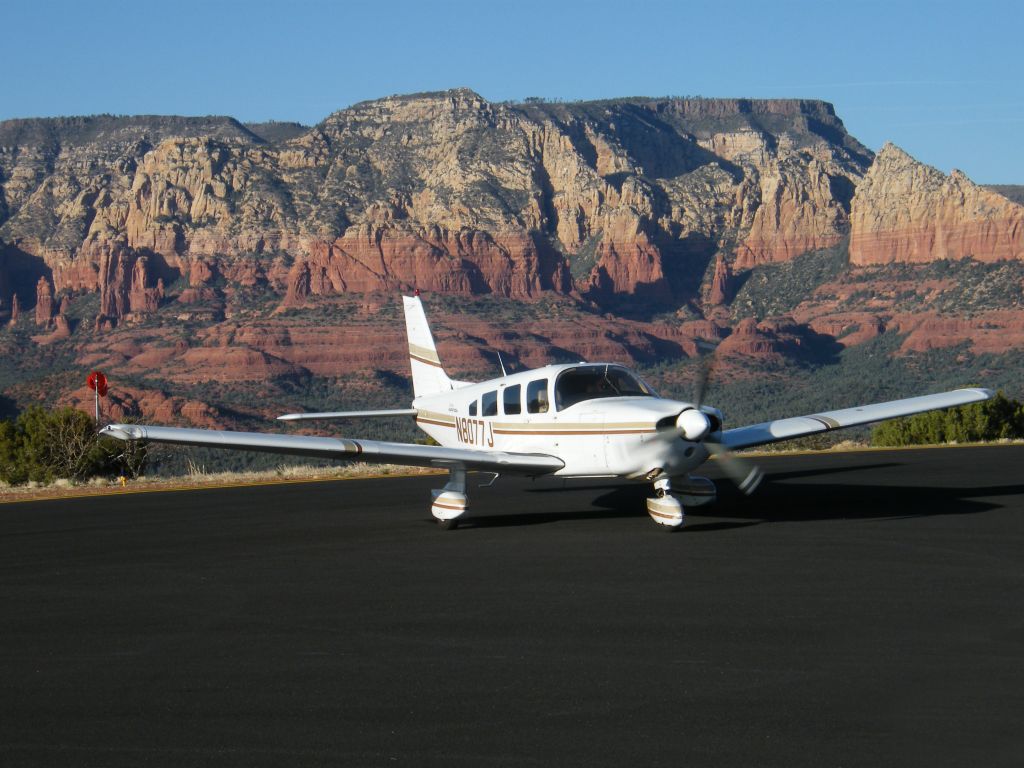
(125, 432)
(984, 392)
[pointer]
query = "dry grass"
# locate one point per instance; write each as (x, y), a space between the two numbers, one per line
(780, 449)
(198, 477)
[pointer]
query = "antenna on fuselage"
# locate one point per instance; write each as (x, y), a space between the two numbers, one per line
(502, 364)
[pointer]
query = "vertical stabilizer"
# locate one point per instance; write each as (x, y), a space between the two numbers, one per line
(428, 377)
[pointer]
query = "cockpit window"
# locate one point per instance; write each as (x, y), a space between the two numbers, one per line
(588, 382)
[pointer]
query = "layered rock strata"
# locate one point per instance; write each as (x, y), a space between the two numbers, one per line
(443, 191)
(905, 211)
(648, 206)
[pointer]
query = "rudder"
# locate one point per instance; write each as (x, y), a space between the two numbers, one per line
(428, 377)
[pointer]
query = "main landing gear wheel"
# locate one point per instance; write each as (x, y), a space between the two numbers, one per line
(450, 502)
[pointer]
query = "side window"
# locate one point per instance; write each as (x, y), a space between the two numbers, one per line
(537, 396)
(489, 404)
(510, 400)
(472, 408)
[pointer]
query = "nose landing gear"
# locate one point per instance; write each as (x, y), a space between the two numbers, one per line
(665, 508)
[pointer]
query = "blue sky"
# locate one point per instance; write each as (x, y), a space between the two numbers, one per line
(941, 79)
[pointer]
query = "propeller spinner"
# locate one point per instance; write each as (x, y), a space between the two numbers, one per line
(693, 425)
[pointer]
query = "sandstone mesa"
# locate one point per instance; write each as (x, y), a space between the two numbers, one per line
(615, 205)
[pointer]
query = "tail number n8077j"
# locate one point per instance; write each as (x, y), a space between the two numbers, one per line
(474, 431)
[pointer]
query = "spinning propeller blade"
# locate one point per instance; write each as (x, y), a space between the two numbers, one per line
(745, 474)
(707, 364)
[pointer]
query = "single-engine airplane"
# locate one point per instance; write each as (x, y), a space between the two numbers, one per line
(575, 420)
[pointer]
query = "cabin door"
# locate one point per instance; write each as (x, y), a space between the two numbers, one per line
(593, 442)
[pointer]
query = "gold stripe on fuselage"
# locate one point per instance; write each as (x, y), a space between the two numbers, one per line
(543, 428)
(567, 429)
(448, 424)
(438, 419)
(554, 428)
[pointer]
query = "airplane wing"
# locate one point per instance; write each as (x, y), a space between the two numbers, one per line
(799, 426)
(410, 454)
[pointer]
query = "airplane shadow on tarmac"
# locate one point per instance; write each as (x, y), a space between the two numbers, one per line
(784, 502)
(778, 499)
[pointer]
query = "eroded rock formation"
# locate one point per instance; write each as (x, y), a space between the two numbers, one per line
(444, 191)
(44, 302)
(451, 193)
(719, 291)
(635, 208)
(130, 403)
(905, 211)
(126, 286)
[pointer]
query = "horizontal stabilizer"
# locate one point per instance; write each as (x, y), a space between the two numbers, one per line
(348, 415)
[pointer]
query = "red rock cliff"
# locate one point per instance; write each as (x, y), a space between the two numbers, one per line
(905, 211)
(445, 191)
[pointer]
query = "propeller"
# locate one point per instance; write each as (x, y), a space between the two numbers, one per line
(707, 364)
(745, 474)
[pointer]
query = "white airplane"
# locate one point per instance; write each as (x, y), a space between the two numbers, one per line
(575, 420)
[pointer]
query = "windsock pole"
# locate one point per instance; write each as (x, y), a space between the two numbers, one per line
(97, 382)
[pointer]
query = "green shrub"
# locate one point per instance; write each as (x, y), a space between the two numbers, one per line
(996, 419)
(9, 463)
(44, 446)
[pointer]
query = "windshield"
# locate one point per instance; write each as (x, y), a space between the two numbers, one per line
(593, 381)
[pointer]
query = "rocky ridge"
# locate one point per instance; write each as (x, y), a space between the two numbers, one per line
(904, 211)
(207, 244)
(444, 191)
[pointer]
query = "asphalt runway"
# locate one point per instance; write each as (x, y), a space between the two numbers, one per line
(861, 609)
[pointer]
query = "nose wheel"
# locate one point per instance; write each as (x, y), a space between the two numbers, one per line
(665, 508)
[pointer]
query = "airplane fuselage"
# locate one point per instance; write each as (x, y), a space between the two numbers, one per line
(601, 420)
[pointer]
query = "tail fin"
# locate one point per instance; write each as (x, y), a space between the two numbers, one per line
(428, 377)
